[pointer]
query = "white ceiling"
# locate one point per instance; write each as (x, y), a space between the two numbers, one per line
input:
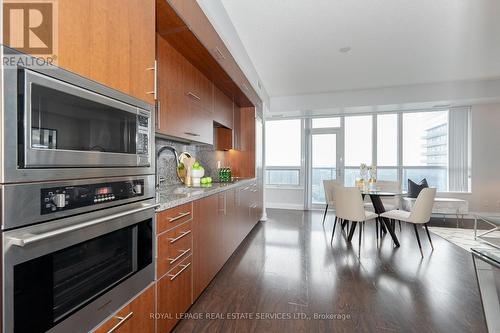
(294, 44)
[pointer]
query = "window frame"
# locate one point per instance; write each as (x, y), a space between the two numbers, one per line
(307, 130)
(300, 167)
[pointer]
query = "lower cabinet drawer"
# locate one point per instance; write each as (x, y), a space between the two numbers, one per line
(137, 316)
(174, 295)
(173, 217)
(173, 247)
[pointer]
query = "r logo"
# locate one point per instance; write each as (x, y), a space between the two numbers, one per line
(28, 26)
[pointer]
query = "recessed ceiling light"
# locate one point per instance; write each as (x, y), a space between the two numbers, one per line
(345, 49)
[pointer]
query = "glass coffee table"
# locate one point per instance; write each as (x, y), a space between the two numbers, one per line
(492, 219)
(487, 266)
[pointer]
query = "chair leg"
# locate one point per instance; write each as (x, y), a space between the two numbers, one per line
(399, 225)
(333, 231)
(418, 240)
(376, 227)
(360, 231)
(324, 215)
(428, 235)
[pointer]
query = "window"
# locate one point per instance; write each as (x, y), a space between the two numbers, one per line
(283, 152)
(387, 140)
(326, 122)
(425, 139)
(358, 140)
(425, 148)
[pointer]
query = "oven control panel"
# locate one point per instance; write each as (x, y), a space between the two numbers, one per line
(55, 199)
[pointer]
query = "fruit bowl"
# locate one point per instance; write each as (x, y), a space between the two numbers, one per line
(197, 173)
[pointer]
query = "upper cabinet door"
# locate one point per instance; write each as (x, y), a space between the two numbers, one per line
(223, 109)
(111, 42)
(185, 97)
(122, 46)
(173, 116)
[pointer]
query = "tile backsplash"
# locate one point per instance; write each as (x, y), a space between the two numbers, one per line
(205, 154)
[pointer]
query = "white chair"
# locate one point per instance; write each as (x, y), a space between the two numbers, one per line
(349, 207)
(420, 214)
(328, 186)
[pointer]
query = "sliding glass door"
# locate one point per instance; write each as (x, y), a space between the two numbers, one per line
(325, 162)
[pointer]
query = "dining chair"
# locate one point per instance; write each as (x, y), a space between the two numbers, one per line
(420, 214)
(349, 207)
(328, 186)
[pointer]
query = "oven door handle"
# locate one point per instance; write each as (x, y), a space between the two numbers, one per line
(40, 237)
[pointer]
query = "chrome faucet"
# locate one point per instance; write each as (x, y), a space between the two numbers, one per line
(161, 179)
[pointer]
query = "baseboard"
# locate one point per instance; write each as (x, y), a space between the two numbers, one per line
(284, 206)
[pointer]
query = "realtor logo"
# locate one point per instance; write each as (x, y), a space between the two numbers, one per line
(30, 26)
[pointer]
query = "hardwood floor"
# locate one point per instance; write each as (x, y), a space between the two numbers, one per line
(287, 268)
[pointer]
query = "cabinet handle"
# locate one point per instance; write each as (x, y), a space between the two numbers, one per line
(184, 233)
(194, 95)
(219, 52)
(155, 83)
(183, 252)
(224, 209)
(184, 267)
(121, 322)
(254, 191)
(192, 134)
(180, 216)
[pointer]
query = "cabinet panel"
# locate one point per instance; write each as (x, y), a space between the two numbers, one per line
(231, 239)
(223, 138)
(173, 246)
(111, 42)
(173, 217)
(174, 295)
(223, 109)
(172, 115)
(74, 52)
(135, 316)
(185, 96)
(207, 239)
(142, 49)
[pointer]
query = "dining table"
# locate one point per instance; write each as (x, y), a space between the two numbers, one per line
(378, 206)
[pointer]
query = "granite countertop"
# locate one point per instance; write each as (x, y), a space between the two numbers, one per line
(172, 196)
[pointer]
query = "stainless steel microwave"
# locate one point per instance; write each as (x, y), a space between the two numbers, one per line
(59, 125)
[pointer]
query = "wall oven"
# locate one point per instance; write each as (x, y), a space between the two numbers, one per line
(59, 125)
(70, 274)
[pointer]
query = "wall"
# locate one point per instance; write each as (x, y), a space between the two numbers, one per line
(285, 198)
(485, 166)
(485, 160)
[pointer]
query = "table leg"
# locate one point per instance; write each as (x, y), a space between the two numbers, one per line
(379, 209)
(475, 228)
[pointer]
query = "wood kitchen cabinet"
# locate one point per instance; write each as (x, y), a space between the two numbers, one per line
(207, 237)
(111, 42)
(223, 138)
(134, 317)
(223, 109)
(185, 97)
(226, 72)
(174, 292)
